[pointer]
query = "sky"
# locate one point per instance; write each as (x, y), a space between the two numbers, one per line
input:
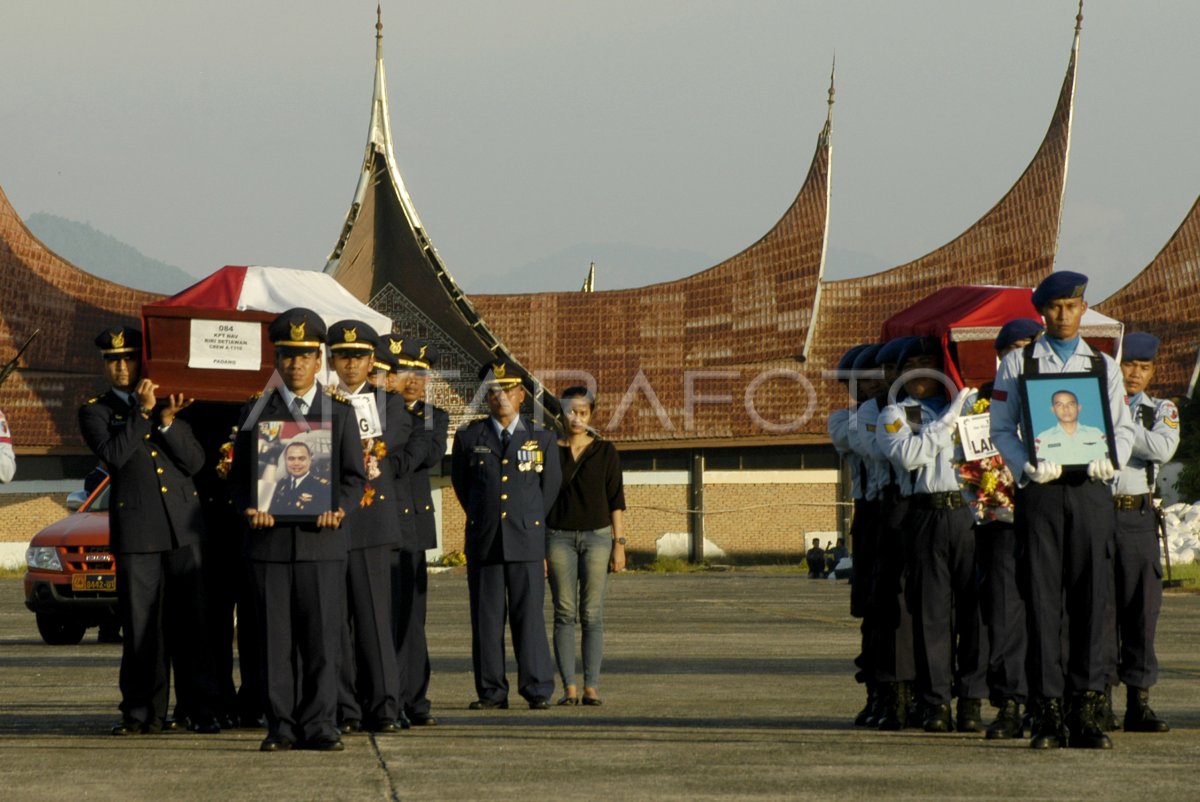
(534, 132)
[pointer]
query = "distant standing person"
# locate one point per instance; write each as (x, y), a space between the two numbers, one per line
(585, 540)
(8, 461)
(816, 560)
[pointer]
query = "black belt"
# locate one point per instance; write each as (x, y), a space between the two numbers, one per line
(951, 500)
(1129, 503)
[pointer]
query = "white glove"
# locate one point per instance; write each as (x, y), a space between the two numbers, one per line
(954, 410)
(1101, 469)
(1044, 471)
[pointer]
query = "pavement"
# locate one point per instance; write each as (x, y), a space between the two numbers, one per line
(717, 685)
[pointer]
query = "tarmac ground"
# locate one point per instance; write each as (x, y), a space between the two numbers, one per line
(716, 685)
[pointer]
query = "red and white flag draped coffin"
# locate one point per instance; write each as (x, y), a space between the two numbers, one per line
(967, 320)
(210, 341)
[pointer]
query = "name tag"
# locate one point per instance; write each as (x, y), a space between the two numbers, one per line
(481, 450)
(366, 416)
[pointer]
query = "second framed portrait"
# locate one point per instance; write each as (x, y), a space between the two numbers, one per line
(1066, 419)
(294, 469)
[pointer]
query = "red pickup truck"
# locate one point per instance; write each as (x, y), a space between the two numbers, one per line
(71, 574)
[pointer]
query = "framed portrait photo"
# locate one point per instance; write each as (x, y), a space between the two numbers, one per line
(294, 469)
(1066, 419)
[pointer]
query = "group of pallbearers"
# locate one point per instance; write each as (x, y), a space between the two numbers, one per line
(1046, 600)
(330, 573)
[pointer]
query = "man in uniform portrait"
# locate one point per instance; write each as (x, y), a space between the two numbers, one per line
(1069, 442)
(299, 569)
(506, 475)
(299, 490)
(1065, 526)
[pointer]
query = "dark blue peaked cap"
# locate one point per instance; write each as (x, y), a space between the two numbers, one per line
(867, 358)
(847, 360)
(893, 350)
(1023, 328)
(1139, 345)
(1063, 284)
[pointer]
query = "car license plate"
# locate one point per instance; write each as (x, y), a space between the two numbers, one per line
(94, 582)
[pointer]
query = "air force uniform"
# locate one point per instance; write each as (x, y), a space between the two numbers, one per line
(507, 480)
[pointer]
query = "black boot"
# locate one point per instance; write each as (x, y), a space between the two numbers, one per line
(969, 714)
(1138, 715)
(1049, 731)
(1008, 721)
(895, 706)
(937, 718)
(1083, 722)
(1105, 718)
(868, 710)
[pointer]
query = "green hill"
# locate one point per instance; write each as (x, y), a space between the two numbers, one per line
(105, 256)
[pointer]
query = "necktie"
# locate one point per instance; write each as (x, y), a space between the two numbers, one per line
(298, 405)
(505, 439)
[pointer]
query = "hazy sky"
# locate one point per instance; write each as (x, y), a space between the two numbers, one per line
(231, 131)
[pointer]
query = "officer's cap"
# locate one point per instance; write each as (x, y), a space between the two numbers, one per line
(867, 358)
(919, 346)
(892, 350)
(1023, 328)
(413, 353)
(500, 374)
(847, 360)
(1063, 284)
(384, 358)
(297, 331)
(1140, 346)
(119, 342)
(350, 337)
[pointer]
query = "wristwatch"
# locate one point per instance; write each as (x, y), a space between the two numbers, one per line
(620, 540)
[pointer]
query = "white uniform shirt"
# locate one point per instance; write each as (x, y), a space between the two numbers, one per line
(1153, 447)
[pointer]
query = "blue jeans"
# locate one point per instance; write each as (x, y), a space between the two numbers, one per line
(579, 570)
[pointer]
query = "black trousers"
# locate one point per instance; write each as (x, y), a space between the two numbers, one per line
(410, 586)
(302, 610)
(159, 598)
(944, 597)
(1138, 596)
(1066, 530)
(891, 620)
(368, 681)
(228, 587)
(1003, 609)
(864, 532)
(518, 589)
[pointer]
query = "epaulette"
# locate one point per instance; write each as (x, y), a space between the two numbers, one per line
(92, 400)
(255, 397)
(321, 480)
(336, 394)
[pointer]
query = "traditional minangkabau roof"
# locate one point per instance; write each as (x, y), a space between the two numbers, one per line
(61, 368)
(723, 327)
(385, 258)
(1013, 244)
(1164, 299)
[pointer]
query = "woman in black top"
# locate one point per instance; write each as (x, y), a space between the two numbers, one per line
(585, 539)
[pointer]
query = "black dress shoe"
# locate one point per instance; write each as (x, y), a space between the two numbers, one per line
(276, 743)
(329, 743)
(171, 725)
(403, 721)
(127, 726)
(567, 700)
(539, 703)
(1007, 723)
(969, 715)
(489, 704)
(937, 719)
(592, 701)
(350, 726)
(206, 726)
(228, 721)
(384, 727)
(422, 720)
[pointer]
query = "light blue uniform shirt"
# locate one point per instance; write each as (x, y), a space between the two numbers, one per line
(1006, 401)
(839, 433)
(1086, 444)
(930, 452)
(863, 441)
(1153, 447)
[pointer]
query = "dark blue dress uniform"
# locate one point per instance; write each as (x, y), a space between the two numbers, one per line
(156, 528)
(299, 570)
(506, 492)
(368, 682)
(1138, 564)
(1066, 529)
(421, 457)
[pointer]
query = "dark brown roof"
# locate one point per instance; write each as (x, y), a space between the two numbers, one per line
(1164, 299)
(61, 368)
